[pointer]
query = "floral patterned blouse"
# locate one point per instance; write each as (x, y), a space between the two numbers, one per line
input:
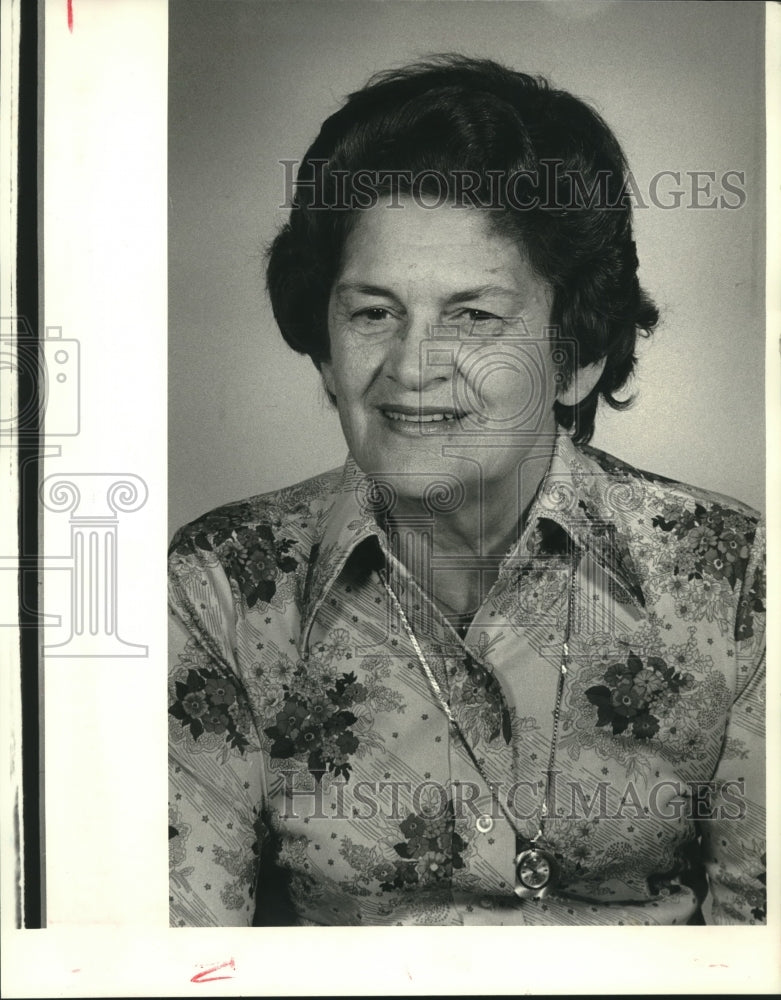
(315, 778)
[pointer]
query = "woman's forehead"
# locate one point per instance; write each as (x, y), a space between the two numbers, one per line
(408, 237)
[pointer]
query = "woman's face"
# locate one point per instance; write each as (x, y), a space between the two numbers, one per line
(441, 359)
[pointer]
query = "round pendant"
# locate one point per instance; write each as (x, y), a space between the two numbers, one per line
(535, 871)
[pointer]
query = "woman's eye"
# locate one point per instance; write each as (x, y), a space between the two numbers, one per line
(374, 314)
(373, 321)
(483, 323)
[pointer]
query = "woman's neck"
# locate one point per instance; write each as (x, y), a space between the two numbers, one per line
(455, 554)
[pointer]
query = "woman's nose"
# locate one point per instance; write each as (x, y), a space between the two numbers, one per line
(419, 355)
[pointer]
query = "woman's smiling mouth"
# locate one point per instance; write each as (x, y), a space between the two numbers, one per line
(419, 417)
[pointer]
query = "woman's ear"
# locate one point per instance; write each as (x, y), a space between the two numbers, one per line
(327, 374)
(582, 382)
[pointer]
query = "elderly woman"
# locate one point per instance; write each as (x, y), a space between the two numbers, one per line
(484, 673)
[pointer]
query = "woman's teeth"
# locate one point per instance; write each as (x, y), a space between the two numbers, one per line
(419, 418)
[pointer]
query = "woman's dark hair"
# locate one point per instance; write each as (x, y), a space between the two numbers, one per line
(543, 165)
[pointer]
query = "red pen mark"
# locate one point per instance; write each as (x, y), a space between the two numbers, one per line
(207, 977)
(70, 15)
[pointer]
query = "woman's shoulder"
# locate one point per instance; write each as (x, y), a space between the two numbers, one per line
(685, 536)
(662, 491)
(291, 509)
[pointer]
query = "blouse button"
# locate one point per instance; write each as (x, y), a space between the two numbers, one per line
(484, 823)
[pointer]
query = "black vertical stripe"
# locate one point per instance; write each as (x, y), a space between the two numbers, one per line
(31, 397)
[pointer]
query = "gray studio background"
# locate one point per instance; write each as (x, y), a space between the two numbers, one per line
(249, 84)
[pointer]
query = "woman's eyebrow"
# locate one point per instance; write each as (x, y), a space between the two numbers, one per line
(467, 294)
(361, 287)
(481, 290)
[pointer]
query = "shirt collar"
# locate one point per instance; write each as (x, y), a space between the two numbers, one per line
(577, 494)
(591, 503)
(348, 523)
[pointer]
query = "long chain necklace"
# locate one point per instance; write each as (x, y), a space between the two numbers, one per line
(536, 868)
